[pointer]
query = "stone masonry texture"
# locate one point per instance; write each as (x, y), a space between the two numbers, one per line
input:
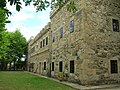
(92, 45)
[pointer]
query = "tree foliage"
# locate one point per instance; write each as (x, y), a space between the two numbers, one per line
(12, 2)
(39, 4)
(43, 4)
(17, 44)
(13, 47)
(3, 41)
(3, 20)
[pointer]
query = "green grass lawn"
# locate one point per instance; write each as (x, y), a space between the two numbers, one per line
(10, 80)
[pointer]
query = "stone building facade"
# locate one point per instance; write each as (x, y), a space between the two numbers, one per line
(85, 46)
(38, 51)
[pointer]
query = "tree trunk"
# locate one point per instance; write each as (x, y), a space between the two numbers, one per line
(0, 65)
(14, 65)
(3, 65)
(6, 68)
(10, 66)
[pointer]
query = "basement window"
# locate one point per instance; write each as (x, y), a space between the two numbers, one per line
(114, 66)
(115, 23)
(60, 66)
(72, 66)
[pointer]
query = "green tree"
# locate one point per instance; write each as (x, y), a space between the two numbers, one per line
(17, 46)
(3, 50)
(3, 39)
(13, 47)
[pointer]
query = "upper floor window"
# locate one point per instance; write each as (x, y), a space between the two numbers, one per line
(46, 40)
(36, 46)
(61, 32)
(114, 66)
(115, 25)
(41, 44)
(33, 49)
(72, 26)
(53, 37)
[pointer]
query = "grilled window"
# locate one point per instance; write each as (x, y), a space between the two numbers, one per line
(115, 25)
(114, 66)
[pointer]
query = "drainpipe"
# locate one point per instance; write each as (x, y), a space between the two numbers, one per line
(50, 53)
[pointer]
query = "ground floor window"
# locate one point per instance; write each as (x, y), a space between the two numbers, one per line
(115, 25)
(72, 66)
(44, 65)
(52, 66)
(60, 66)
(114, 66)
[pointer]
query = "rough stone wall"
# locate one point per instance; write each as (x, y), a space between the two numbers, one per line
(92, 44)
(66, 48)
(102, 44)
(40, 55)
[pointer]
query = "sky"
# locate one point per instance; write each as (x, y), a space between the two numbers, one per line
(27, 20)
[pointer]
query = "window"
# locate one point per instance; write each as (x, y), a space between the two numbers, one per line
(114, 66)
(72, 26)
(71, 66)
(46, 40)
(32, 65)
(60, 66)
(53, 37)
(44, 65)
(36, 46)
(33, 50)
(61, 32)
(41, 44)
(115, 25)
(52, 66)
